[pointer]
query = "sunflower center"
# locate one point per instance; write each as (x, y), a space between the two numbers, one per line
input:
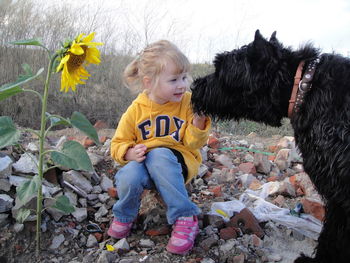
(75, 61)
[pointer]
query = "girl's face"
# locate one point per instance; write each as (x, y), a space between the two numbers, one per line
(170, 87)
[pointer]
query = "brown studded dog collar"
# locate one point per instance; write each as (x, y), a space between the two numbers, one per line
(301, 86)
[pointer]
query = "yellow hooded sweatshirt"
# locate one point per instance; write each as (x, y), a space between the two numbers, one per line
(161, 125)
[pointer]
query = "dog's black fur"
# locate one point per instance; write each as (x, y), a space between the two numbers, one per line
(255, 82)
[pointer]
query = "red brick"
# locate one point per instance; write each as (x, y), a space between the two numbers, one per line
(216, 191)
(98, 236)
(248, 168)
(163, 230)
(272, 148)
(112, 192)
(238, 259)
(314, 208)
(247, 222)
(255, 185)
(272, 178)
(213, 142)
(100, 125)
(228, 233)
(271, 158)
(279, 200)
(87, 142)
(103, 139)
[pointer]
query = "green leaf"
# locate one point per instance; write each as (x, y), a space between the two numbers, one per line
(27, 189)
(62, 203)
(57, 120)
(6, 92)
(73, 156)
(13, 88)
(79, 121)
(28, 42)
(27, 69)
(9, 135)
(22, 215)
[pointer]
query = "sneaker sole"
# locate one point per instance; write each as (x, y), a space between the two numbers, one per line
(111, 233)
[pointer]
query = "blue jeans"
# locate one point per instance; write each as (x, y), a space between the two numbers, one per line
(160, 170)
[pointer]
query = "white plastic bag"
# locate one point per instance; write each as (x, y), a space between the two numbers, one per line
(226, 209)
(265, 211)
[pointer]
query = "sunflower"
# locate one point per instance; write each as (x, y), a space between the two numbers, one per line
(75, 55)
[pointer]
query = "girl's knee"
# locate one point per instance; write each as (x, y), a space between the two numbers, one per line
(132, 173)
(160, 154)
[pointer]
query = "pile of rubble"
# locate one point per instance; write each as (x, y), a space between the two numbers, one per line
(258, 206)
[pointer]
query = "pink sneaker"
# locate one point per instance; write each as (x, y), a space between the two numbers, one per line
(119, 230)
(184, 233)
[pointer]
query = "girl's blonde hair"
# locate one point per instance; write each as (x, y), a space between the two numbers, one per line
(151, 61)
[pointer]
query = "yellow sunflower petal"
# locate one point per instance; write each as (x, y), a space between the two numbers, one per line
(63, 61)
(79, 37)
(89, 38)
(76, 49)
(93, 56)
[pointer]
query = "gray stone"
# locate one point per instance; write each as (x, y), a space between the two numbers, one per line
(207, 243)
(82, 202)
(147, 243)
(95, 158)
(92, 241)
(30, 203)
(3, 219)
(128, 260)
(26, 164)
(71, 196)
(32, 147)
(274, 257)
(103, 197)
(262, 163)
(6, 203)
(106, 183)
(283, 159)
(55, 213)
(224, 160)
(77, 179)
(5, 166)
(18, 180)
(17, 227)
(57, 241)
(101, 212)
(80, 214)
(5, 185)
(96, 189)
(207, 260)
(122, 244)
(106, 257)
(203, 169)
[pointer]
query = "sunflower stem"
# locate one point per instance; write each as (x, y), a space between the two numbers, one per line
(41, 155)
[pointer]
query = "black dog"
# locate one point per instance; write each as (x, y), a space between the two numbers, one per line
(256, 81)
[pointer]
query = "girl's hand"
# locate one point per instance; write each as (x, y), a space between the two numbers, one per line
(136, 153)
(199, 121)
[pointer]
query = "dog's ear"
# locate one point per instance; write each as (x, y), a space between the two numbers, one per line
(260, 51)
(218, 63)
(259, 40)
(258, 36)
(273, 38)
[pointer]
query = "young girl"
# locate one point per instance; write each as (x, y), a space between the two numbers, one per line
(158, 140)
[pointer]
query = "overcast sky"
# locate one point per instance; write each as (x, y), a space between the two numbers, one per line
(202, 28)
